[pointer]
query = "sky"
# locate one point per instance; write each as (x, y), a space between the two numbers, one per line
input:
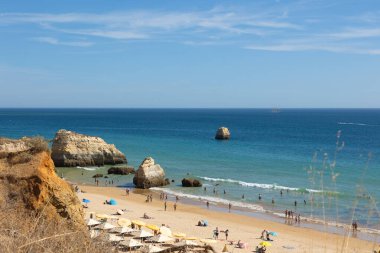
(190, 54)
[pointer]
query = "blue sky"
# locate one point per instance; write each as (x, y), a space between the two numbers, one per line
(90, 53)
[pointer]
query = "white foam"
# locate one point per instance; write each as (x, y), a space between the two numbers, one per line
(86, 168)
(213, 200)
(257, 185)
(352, 123)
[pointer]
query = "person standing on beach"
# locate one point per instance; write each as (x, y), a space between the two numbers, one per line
(208, 204)
(165, 205)
(216, 233)
(229, 207)
(299, 218)
(175, 206)
(226, 233)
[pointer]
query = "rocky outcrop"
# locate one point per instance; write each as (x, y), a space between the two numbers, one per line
(71, 149)
(149, 175)
(189, 182)
(28, 183)
(121, 170)
(223, 134)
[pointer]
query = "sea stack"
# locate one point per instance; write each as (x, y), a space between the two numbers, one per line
(149, 175)
(71, 149)
(223, 134)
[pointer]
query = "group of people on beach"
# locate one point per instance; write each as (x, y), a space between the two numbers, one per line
(289, 214)
(217, 231)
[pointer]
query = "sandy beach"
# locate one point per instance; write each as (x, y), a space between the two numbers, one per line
(244, 228)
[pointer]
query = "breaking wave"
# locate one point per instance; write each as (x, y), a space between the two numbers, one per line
(263, 186)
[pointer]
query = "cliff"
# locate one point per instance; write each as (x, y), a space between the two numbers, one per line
(71, 149)
(28, 183)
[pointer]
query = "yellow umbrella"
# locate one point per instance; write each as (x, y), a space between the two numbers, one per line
(123, 222)
(266, 244)
(179, 235)
(191, 238)
(102, 216)
(138, 223)
(152, 227)
(208, 241)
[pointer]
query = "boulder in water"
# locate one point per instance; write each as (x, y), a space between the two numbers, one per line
(223, 134)
(122, 170)
(189, 182)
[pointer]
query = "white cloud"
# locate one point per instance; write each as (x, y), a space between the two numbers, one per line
(54, 41)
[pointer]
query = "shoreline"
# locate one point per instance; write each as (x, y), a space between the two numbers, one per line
(235, 221)
(363, 233)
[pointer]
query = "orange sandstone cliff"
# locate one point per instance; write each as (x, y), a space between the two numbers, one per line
(28, 182)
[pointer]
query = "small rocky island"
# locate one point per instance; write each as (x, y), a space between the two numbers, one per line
(149, 175)
(223, 134)
(70, 149)
(121, 170)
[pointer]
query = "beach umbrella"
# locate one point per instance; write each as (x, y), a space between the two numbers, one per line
(94, 233)
(161, 238)
(123, 230)
(186, 243)
(143, 234)
(266, 244)
(152, 227)
(131, 243)
(86, 201)
(273, 233)
(225, 249)
(92, 222)
(119, 211)
(153, 249)
(115, 238)
(165, 231)
(138, 223)
(179, 235)
(102, 216)
(208, 241)
(113, 202)
(106, 226)
(123, 222)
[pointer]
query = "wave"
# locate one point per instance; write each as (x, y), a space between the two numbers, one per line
(352, 123)
(263, 186)
(86, 168)
(212, 200)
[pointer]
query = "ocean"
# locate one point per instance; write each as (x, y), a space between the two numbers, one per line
(326, 158)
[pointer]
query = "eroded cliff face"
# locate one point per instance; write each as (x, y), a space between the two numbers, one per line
(28, 182)
(72, 149)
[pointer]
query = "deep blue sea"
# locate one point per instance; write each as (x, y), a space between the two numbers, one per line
(298, 151)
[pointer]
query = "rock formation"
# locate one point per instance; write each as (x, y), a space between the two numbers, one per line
(149, 175)
(121, 170)
(28, 182)
(189, 182)
(71, 149)
(223, 134)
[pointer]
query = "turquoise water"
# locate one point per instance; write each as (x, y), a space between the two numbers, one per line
(292, 150)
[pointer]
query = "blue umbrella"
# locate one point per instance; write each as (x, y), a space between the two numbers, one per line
(113, 202)
(273, 233)
(86, 201)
